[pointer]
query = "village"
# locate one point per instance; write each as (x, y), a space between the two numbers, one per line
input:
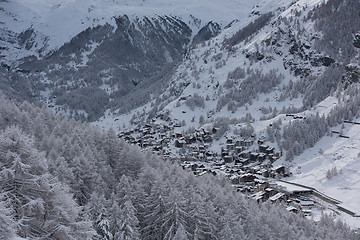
(246, 163)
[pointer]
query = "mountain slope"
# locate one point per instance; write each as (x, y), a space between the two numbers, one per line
(282, 72)
(63, 179)
(282, 78)
(112, 49)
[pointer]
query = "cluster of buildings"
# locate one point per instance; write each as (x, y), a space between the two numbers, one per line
(247, 163)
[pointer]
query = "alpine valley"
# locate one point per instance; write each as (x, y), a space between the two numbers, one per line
(152, 119)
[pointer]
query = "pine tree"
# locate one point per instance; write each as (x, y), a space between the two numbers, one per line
(204, 221)
(181, 233)
(154, 215)
(176, 214)
(129, 229)
(114, 217)
(41, 206)
(97, 209)
(7, 224)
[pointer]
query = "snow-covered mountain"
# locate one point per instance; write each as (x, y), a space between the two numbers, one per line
(286, 72)
(47, 25)
(112, 48)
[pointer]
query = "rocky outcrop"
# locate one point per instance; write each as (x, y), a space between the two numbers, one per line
(210, 30)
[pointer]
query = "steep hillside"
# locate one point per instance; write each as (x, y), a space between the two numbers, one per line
(62, 179)
(115, 51)
(277, 78)
(180, 77)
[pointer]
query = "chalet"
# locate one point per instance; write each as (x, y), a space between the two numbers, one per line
(262, 157)
(270, 150)
(147, 126)
(238, 166)
(280, 170)
(207, 139)
(254, 157)
(248, 143)
(240, 142)
(235, 179)
(195, 154)
(230, 146)
(292, 209)
(278, 197)
(224, 152)
(162, 135)
(238, 149)
(248, 177)
(201, 156)
(261, 185)
(245, 154)
(230, 171)
(156, 143)
(263, 172)
(148, 136)
(197, 166)
(219, 163)
(306, 204)
(259, 196)
(270, 191)
(228, 158)
(209, 153)
(307, 212)
(243, 161)
(190, 139)
(145, 143)
(229, 141)
(263, 147)
(179, 143)
(157, 148)
(178, 134)
(167, 128)
(129, 138)
(193, 148)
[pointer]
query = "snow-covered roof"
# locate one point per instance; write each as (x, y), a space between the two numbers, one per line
(276, 196)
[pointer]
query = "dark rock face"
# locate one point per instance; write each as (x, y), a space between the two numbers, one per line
(210, 30)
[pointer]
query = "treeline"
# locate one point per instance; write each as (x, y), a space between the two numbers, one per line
(61, 179)
(302, 134)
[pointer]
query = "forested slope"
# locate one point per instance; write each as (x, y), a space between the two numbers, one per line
(60, 179)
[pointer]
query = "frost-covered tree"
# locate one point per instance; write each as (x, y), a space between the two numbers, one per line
(129, 224)
(41, 207)
(7, 223)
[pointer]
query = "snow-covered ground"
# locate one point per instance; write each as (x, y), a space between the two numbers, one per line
(341, 154)
(56, 23)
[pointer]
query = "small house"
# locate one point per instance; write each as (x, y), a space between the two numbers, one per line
(179, 143)
(263, 147)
